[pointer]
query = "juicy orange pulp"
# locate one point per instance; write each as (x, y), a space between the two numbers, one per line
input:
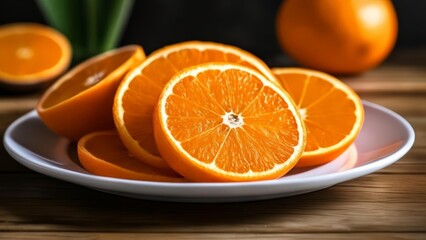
(32, 53)
(81, 101)
(138, 93)
(226, 122)
(102, 153)
(332, 112)
(17, 54)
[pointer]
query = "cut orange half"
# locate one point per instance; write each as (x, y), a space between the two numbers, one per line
(32, 54)
(333, 113)
(81, 101)
(225, 122)
(138, 93)
(103, 154)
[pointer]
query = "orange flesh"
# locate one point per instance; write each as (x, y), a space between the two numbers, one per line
(27, 53)
(327, 118)
(149, 84)
(87, 77)
(109, 148)
(242, 127)
(81, 101)
(103, 153)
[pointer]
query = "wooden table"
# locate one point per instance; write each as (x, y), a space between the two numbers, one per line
(389, 204)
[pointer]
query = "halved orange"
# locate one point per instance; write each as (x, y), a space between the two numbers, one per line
(81, 101)
(333, 113)
(102, 153)
(138, 93)
(31, 54)
(225, 122)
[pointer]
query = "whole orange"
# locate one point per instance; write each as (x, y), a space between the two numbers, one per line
(341, 37)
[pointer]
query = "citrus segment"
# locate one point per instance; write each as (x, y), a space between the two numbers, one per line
(226, 122)
(32, 53)
(332, 112)
(102, 153)
(139, 91)
(81, 101)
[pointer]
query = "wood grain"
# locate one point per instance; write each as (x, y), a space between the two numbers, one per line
(377, 202)
(406, 105)
(209, 236)
(389, 79)
(18, 103)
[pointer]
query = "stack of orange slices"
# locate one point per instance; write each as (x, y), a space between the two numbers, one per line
(201, 112)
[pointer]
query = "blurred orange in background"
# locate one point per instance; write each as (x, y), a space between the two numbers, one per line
(31, 56)
(340, 37)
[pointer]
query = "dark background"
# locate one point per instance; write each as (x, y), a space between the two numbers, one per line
(249, 24)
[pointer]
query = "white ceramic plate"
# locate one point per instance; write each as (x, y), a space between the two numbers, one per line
(383, 140)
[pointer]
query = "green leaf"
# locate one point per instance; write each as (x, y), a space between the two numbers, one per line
(117, 17)
(92, 26)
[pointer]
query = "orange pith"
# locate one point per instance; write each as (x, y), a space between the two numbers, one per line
(32, 53)
(102, 153)
(332, 112)
(81, 101)
(139, 91)
(225, 122)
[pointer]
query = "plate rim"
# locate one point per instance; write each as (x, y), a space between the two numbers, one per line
(90, 180)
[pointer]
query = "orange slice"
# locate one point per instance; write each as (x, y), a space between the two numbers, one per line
(103, 154)
(225, 122)
(332, 112)
(81, 101)
(139, 91)
(31, 54)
